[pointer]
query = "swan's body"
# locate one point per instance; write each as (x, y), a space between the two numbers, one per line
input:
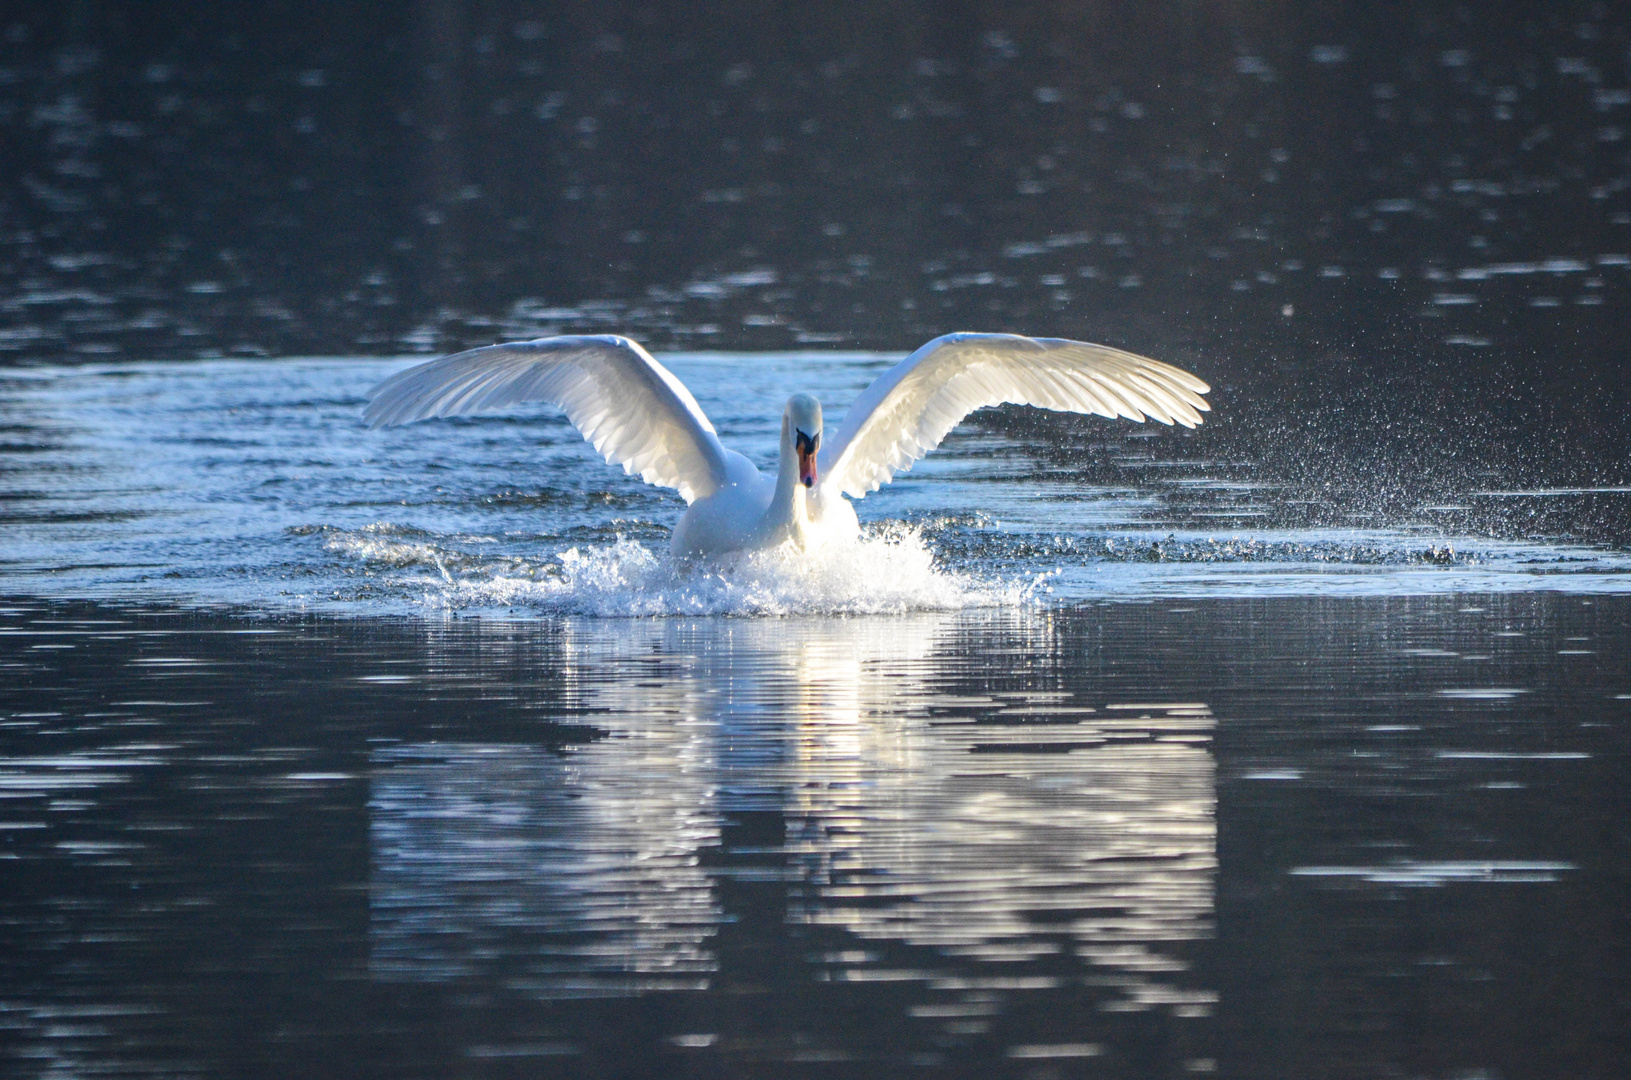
(755, 511)
(638, 415)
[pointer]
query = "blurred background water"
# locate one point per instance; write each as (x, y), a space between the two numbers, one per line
(1397, 240)
(1293, 746)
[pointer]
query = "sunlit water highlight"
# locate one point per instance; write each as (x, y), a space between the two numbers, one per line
(255, 484)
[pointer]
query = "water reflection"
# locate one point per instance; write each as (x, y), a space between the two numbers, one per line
(1003, 837)
(975, 844)
(516, 865)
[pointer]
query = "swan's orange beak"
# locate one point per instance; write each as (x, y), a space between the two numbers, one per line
(807, 447)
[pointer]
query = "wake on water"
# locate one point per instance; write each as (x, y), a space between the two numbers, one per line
(890, 570)
(926, 566)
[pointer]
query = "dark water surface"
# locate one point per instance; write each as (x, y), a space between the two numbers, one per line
(1295, 746)
(327, 751)
(1248, 837)
(1397, 235)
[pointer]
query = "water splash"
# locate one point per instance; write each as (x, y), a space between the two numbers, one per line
(891, 570)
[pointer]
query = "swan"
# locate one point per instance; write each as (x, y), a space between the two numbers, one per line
(638, 415)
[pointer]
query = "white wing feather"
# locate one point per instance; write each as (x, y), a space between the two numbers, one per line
(632, 410)
(910, 408)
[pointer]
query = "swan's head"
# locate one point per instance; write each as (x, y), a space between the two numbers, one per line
(801, 425)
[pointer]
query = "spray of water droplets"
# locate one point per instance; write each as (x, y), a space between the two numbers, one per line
(889, 571)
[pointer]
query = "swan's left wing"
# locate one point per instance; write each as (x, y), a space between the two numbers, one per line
(911, 407)
(630, 408)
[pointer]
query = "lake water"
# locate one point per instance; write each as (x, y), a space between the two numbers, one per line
(254, 484)
(328, 751)
(1292, 747)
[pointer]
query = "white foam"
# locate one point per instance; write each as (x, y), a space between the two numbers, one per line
(887, 572)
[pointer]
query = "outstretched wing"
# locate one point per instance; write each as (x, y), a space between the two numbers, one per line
(630, 408)
(909, 408)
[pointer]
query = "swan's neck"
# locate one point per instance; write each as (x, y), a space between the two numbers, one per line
(788, 515)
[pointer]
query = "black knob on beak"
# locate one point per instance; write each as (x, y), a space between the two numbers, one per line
(807, 446)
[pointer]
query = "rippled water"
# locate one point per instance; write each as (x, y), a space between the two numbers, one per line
(255, 484)
(1244, 837)
(411, 753)
(1293, 747)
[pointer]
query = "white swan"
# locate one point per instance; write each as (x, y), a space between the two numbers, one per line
(638, 415)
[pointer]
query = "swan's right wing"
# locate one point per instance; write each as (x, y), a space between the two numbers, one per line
(911, 407)
(630, 408)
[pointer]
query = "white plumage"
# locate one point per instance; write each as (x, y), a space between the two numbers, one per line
(910, 408)
(638, 415)
(630, 408)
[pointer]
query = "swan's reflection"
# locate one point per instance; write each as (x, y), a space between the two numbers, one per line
(937, 792)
